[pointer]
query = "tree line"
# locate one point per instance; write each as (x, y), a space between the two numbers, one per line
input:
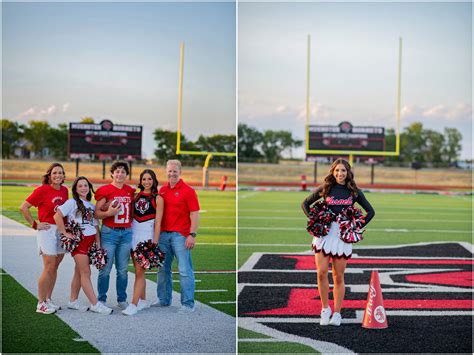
(416, 144)
(39, 137)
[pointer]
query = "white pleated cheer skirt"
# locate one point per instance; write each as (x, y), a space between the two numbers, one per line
(332, 245)
(142, 232)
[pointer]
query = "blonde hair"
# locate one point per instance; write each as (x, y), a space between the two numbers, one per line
(174, 162)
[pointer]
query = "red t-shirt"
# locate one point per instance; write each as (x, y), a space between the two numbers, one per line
(47, 199)
(125, 198)
(179, 202)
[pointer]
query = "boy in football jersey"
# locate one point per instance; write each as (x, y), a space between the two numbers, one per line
(114, 208)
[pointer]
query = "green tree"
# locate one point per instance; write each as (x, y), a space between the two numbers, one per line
(276, 142)
(57, 141)
(250, 141)
(412, 143)
(452, 147)
(11, 133)
(37, 134)
(218, 143)
(433, 146)
(166, 146)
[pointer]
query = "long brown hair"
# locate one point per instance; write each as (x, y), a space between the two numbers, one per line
(80, 205)
(154, 187)
(47, 176)
(330, 180)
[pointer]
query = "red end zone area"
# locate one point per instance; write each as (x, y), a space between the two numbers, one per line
(427, 291)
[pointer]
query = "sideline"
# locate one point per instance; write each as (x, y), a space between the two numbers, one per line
(158, 329)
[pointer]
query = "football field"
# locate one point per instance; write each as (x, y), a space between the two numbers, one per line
(214, 260)
(421, 245)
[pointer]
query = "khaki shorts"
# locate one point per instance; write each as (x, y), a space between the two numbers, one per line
(48, 241)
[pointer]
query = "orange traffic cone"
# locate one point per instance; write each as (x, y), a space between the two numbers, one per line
(223, 183)
(374, 315)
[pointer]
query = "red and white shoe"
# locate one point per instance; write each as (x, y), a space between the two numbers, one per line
(45, 308)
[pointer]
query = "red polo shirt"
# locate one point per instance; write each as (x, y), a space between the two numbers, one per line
(47, 199)
(179, 202)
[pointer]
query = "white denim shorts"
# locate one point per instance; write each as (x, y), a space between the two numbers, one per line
(48, 241)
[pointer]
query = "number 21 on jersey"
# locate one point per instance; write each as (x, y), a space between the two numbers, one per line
(123, 216)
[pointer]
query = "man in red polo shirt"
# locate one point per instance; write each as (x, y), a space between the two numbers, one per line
(178, 236)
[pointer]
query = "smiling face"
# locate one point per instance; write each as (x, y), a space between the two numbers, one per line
(147, 182)
(174, 173)
(119, 175)
(57, 176)
(82, 189)
(340, 174)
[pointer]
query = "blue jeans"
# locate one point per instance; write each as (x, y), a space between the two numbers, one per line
(118, 243)
(172, 244)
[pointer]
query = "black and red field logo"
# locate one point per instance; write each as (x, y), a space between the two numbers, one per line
(427, 291)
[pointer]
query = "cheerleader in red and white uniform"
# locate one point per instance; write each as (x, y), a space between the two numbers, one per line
(47, 198)
(80, 210)
(146, 225)
(339, 191)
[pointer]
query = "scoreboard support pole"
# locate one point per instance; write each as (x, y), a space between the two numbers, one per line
(77, 167)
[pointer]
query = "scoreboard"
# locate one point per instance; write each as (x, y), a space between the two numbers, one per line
(104, 140)
(346, 137)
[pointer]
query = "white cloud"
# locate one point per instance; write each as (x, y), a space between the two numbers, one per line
(459, 112)
(66, 106)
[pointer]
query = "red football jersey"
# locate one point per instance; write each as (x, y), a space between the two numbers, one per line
(179, 201)
(125, 197)
(47, 199)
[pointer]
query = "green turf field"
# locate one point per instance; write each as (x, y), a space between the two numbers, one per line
(214, 256)
(270, 218)
(274, 222)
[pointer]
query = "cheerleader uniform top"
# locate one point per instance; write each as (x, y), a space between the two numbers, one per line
(144, 208)
(340, 197)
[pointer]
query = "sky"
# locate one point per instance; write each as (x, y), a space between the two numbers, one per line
(354, 63)
(120, 61)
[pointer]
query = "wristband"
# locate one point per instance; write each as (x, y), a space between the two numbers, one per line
(35, 225)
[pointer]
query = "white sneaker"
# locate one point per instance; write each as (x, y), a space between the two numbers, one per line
(123, 305)
(77, 306)
(325, 315)
(45, 308)
(130, 310)
(143, 304)
(336, 319)
(185, 309)
(50, 303)
(99, 307)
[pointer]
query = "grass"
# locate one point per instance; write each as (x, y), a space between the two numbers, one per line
(215, 251)
(24, 331)
(270, 218)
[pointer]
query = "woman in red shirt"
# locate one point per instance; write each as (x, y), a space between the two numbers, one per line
(47, 198)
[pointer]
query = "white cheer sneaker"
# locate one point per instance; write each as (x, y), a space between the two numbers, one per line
(130, 310)
(101, 308)
(336, 319)
(325, 315)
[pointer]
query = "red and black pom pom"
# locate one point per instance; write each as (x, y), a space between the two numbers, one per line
(320, 219)
(97, 256)
(69, 244)
(351, 223)
(148, 255)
